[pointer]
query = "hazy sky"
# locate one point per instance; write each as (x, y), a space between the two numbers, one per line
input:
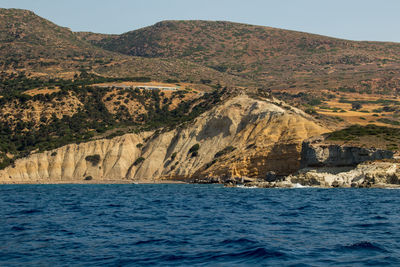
(350, 19)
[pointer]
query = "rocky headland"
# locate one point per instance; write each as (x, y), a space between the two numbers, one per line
(331, 165)
(245, 140)
(242, 137)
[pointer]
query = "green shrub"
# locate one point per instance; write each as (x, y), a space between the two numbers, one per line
(311, 111)
(356, 131)
(94, 159)
(115, 134)
(208, 165)
(138, 161)
(356, 105)
(173, 156)
(224, 151)
(88, 178)
(5, 162)
(194, 148)
(315, 102)
(388, 121)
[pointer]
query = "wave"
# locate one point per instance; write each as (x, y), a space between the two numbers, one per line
(368, 225)
(29, 211)
(247, 187)
(239, 241)
(18, 228)
(150, 241)
(364, 245)
(250, 255)
(297, 185)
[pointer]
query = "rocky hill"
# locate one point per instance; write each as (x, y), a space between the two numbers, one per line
(40, 115)
(273, 57)
(240, 137)
(28, 41)
(315, 73)
(40, 48)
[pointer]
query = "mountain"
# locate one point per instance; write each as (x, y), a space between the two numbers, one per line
(273, 57)
(324, 76)
(31, 44)
(28, 41)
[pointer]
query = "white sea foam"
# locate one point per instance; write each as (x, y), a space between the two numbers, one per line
(243, 186)
(297, 185)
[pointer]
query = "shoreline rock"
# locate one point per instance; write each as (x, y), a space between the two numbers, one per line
(327, 165)
(317, 153)
(378, 174)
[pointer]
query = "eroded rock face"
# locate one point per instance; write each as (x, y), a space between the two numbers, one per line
(262, 136)
(320, 154)
(369, 174)
(329, 165)
(365, 175)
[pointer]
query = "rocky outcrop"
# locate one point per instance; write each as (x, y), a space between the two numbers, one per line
(329, 165)
(243, 137)
(365, 175)
(369, 174)
(318, 154)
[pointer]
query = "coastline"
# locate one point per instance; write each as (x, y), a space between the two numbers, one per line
(161, 182)
(92, 182)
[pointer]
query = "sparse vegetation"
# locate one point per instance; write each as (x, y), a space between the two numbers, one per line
(89, 119)
(140, 145)
(356, 106)
(389, 121)
(224, 151)
(355, 131)
(194, 150)
(94, 159)
(138, 161)
(5, 161)
(173, 156)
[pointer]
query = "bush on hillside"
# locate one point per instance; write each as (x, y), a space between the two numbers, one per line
(138, 161)
(94, 159)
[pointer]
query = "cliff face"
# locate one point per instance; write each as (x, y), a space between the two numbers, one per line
(241, 137)
(319, 154)
(328, 165)
(370, 174)
(379, 174)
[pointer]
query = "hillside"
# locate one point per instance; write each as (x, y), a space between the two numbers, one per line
(40, 48)
(240, 136)
(28, 41)
(322, 75)
(37, 115)
(276, 58)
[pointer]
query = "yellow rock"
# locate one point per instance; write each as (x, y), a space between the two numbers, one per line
(266, 137)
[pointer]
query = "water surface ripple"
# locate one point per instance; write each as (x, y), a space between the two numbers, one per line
(197, 225)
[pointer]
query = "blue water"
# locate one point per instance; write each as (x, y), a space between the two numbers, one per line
(197, 225)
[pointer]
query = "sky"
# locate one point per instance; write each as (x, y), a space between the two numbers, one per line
(374, 20)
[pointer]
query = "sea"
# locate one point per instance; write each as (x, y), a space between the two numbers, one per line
(197, 225)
